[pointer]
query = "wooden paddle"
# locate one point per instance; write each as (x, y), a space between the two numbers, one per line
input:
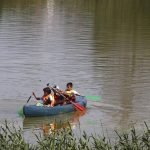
(77, 105)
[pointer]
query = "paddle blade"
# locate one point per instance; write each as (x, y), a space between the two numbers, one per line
(78, 106)
(93, 98)
(20, 112)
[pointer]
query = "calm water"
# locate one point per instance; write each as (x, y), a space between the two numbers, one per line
(102, 46)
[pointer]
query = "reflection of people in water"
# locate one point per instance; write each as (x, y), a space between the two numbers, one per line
(49, 128)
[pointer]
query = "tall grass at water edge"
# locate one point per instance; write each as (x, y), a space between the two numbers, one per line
(12, 138)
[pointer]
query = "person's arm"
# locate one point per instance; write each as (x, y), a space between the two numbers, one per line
(37, 98)
(52, 101)
(76, 93)
(52, 104)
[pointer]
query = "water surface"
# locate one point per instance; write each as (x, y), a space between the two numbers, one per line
(103, 47)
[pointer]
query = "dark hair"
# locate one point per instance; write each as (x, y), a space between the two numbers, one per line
(70, 84)
(47, 89)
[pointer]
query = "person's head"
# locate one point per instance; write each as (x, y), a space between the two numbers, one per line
(46, 91)
(69, 86)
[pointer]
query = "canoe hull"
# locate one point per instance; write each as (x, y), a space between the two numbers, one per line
(38, 111)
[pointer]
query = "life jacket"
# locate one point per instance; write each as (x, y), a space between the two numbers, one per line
(70, 98)
(70, 92)
(56, 97)
(46, 98)
(71, 95)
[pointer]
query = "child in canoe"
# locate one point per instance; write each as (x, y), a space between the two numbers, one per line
(47, 98)
(69, 89)
(70, 92)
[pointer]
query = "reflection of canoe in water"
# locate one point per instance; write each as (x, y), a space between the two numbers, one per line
(37, 111)
(48, 124)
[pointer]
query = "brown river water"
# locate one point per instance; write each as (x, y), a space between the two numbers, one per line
(102, 46)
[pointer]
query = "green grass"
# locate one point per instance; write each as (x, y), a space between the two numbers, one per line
(64, 139)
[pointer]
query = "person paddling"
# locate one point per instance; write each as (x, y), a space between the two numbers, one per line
(70, 93)
(69, 89)
(47, 98)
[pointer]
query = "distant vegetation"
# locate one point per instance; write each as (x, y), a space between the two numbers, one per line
(64, 139)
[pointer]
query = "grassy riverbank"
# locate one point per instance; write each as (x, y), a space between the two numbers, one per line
(64, 139)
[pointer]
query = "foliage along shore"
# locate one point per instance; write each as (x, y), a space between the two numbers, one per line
(64, 139)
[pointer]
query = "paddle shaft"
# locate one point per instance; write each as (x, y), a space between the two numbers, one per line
(59, 93)
(80, 107)
(29, 99)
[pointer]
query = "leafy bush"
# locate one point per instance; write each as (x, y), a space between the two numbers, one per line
(64, 139)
